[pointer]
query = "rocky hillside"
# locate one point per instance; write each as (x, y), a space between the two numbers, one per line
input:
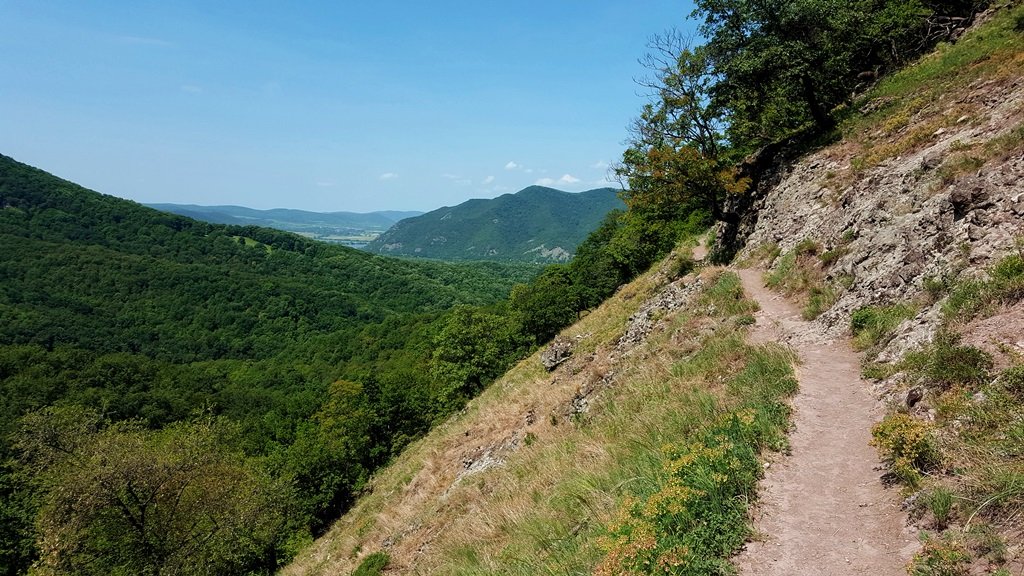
(536, 224)
(904, 234)
(908, 235)
(926, 186)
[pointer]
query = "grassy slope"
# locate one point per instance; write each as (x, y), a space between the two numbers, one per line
(551, 508)
(556, 506)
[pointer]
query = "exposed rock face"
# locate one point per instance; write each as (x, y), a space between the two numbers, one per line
(559, 351)
(903, 221)
(673, 296)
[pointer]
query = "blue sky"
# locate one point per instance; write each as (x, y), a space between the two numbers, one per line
(323, 106)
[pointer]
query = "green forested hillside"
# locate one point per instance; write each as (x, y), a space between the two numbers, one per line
(536, 224)
(138, 321)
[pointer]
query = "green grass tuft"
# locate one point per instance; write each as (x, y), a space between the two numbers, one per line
(873, 325)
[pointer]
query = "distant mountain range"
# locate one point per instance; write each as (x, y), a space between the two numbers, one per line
(349, 228)
(536, 224)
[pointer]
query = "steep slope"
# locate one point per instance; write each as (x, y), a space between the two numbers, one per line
(540, 469)
(87, 269)
(151, 321)
(907, 233)
(349, 228)
(915, 213)
(536, 224)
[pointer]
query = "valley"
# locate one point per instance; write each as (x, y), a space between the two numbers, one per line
(351, 229)
(788, 344)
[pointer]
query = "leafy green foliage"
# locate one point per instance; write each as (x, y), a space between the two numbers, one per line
(122, 499)
(695, 516)
(522, 227)
(149, 318)
(940, 557)
(472, 348)
(785, 65)
(547, 304)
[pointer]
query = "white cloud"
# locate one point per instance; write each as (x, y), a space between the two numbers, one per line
(599, 165)
(191, 88)
(463, 181)
(564, 180)
(511, 165)
(449, 176)
(388, 176)
(488, 180)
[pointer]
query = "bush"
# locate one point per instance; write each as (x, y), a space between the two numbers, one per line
(698, 517)
(945, 363)
(940, 557)
(907, 447)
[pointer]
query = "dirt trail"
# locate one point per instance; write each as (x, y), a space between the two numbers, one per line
(823, 508)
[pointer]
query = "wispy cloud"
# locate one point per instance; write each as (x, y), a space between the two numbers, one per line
(565, 179)
(456, 178)
(488, 180)
(600, 165)
(511, 165)
(192, 89)
(324, 184)
(388, 176)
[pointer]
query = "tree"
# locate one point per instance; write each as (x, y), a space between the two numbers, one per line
(675, 163)
(784, 65)
(120, 499)
(548, 304)
(472, 348)
(333, 455)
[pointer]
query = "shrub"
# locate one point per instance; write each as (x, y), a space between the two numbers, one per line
(907, 447)
(945, 363)
(698, 517)
(940, 557)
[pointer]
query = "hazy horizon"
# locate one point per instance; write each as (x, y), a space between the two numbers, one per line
(320, 107)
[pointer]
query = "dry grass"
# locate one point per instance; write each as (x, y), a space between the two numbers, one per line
(543, 508)
(945, 91)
